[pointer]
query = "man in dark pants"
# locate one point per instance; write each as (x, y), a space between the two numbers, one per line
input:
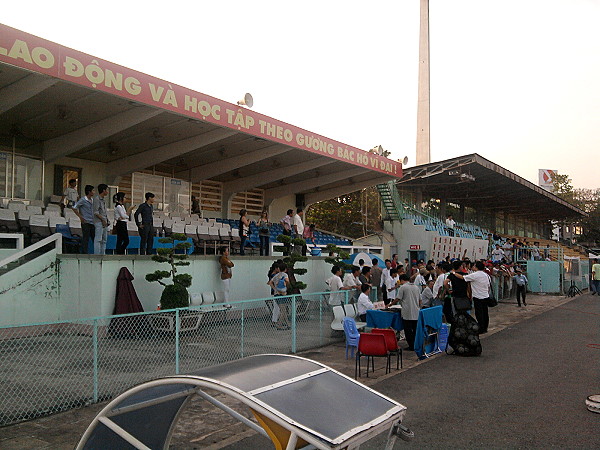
(84, 209)
(144, 223)
(521, 281)
(480, 288)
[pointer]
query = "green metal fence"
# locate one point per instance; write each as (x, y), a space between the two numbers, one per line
(52, 367)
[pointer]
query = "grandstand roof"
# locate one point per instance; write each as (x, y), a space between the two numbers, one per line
(57, 102)
(476, 182)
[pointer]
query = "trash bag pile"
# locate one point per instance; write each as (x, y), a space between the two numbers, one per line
(464, 336)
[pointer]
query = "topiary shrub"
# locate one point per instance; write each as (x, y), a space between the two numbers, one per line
(174, 295)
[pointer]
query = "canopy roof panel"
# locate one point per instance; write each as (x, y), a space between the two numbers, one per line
(297, 394)
(476, 182)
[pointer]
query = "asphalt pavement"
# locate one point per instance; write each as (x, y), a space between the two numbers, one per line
(526, 390)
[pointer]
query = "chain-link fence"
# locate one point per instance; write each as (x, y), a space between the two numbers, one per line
(52, 367)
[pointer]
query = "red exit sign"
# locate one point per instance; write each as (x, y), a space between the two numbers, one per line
(414, 247)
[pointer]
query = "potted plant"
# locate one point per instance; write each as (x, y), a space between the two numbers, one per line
(174, 295)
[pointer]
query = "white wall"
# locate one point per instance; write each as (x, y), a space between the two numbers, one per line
(88, 283)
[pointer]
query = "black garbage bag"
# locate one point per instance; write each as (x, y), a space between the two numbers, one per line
(463, 339)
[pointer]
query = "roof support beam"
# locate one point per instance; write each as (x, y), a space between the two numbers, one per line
(222, 166)
(159, 154)
(24, 89)
(243, 184)
(311, 183)
(351, 186)
(95, 132)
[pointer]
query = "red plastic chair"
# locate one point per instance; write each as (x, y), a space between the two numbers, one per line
(371, 345)
(392, 344)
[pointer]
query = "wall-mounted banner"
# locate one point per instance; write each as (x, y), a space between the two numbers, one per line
(38, 55)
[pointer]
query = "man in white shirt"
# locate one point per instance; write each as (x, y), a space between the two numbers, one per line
(391, 285)
(351, 281)
(440, 271)
(497, 254)
(298, 226)
(364, 303)
(450, 225)
(70, 195)
(385, 274)
(480, 290)
(335, 285)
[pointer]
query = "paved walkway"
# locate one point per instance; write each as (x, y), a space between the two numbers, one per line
(201, 426)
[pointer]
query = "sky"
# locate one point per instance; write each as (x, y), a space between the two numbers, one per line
(516, 81)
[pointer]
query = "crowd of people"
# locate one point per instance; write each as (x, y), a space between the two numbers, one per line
(416, 285)
(516, 249)
(92, 212)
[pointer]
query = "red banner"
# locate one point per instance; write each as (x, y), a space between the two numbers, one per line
(38, 55)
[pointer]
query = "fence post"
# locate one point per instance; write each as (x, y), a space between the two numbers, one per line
(293, 324)
(95, 345)
(321, 306)
(242, 337)
(177, 329)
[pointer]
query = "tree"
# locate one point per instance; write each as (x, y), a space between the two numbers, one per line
(291, 260)
(588, 200)
(174, 295)
(354, 215)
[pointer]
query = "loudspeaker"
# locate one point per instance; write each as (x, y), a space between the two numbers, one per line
(246, 101)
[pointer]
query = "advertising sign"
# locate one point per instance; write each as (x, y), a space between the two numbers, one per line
(38, 55)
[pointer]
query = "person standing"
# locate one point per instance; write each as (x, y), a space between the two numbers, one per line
(456, 286)
(226, 273)
(385, 274)
(263, 233)
(450, 225)
(308, 235)
(376, 273)
(84, 209)
(70, 195)
(121, 219)
(280, 284)
(243, 229)
(297, 223)
(596, 277)
(100, 220)
(409, 297)
(394, 261)
(143, 220)
(351, 281)
(521, 281)
(480, 290)
(335, 286)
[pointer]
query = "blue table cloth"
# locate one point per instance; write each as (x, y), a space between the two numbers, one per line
(428, 317)
(384, 319)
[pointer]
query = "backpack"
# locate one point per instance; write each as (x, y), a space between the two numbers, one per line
(463, 339)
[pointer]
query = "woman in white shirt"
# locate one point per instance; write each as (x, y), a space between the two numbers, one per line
(121, 219)
(335, 285)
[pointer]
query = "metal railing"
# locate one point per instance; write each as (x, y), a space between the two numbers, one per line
(28, 252)
(56, 366)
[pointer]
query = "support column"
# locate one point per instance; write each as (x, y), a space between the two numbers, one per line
(419, 199)
(461, 214)
(442, 208)
(505, 222)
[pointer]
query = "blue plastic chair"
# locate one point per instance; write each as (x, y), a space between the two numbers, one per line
(352, 335)
(68, 238)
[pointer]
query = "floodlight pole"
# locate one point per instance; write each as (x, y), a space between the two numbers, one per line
(423, 147)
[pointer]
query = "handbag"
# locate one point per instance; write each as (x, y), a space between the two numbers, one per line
(491, 300)
(462, 303)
